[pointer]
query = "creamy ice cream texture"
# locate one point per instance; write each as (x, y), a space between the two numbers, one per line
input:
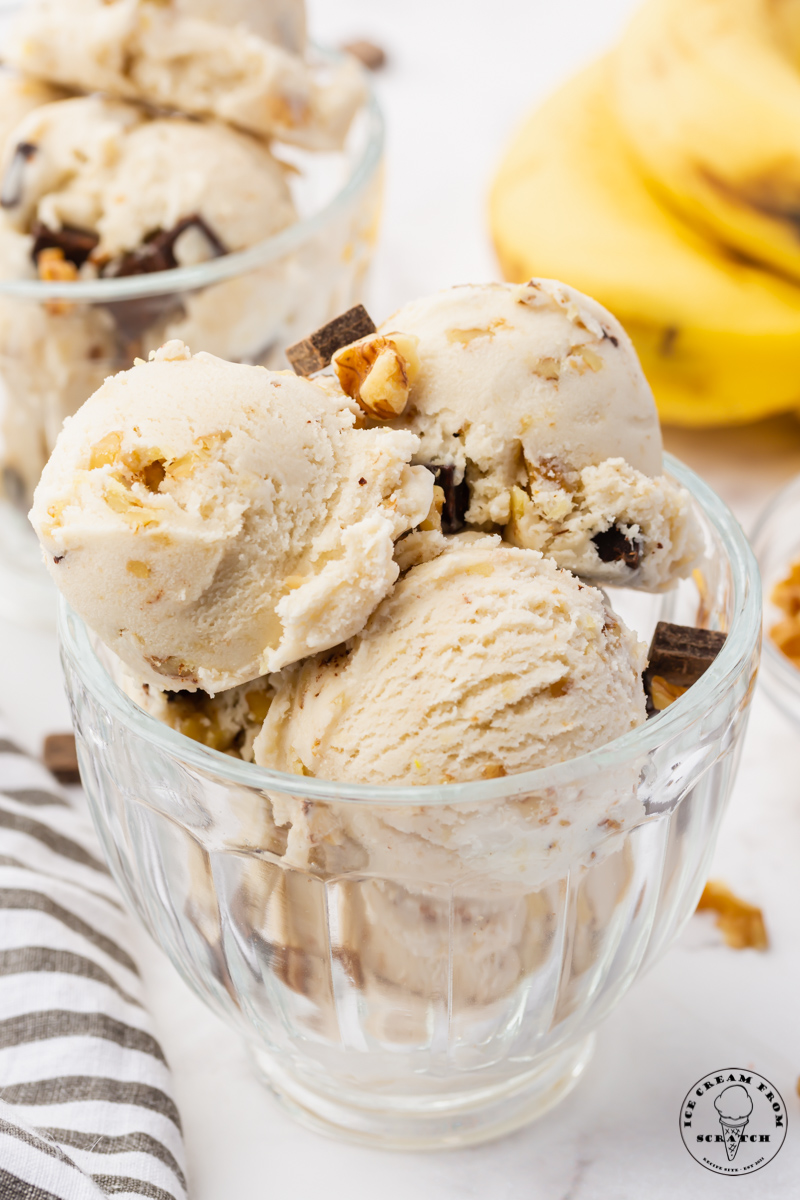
(107, 168)
(534, 395)
(488, 661)
(172, 56)
(213, 522)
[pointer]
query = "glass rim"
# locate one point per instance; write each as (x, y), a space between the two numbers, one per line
(774, 659)
(743, 635)
(238, 262)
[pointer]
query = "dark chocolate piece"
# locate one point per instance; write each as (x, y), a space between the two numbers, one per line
(679, 655)
(368, 54)
(613, 546)
(11, 193)
(60, 757)
(316, 351)
(77, 244)
(456, 498)
(158, 251)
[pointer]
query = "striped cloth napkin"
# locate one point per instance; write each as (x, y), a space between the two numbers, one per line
(86, 1107)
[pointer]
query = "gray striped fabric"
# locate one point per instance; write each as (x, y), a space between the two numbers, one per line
(86, 1107)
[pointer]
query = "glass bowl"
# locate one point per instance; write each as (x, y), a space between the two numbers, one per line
(776, 542)
(59, 341)
(426, 966)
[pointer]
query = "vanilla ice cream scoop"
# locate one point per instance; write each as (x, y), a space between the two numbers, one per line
(487, 661)
(531, 400)
(106, 168)
(213, 521)
(280, 21)
(157, 54)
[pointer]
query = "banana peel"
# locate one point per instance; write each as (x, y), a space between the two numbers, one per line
(718, 337)
(707, 93)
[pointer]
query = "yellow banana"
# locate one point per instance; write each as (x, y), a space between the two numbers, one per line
(708, 94)
(719, 339)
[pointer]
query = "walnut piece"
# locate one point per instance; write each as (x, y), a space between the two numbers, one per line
(378, 372)
(741, 924)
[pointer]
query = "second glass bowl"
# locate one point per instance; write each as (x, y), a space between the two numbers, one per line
(59, 341)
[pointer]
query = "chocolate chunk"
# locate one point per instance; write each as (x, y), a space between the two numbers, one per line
(158, 251)
(613, 546)
(456, 498)
(679, 655)
(76, 244)
(368, 54)
(610, 337)
(61, 758)
(11, 193)
(316, 351)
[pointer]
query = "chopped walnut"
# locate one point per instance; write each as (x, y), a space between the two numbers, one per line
(378, 372)
(433, 521)
(786, 633)
(53, 267)
(741, 924)
(663, 693)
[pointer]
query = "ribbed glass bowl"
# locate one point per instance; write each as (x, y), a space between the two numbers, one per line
(59, 341)
(425, 967)
(776, 542)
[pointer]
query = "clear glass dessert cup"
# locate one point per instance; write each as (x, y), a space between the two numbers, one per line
(59, 341)
(426, 966)
(776, 542)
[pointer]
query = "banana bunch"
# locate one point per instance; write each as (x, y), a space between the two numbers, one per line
(665, 181)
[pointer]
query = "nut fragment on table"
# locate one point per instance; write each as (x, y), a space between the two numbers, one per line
(679, 655)
(316, 351)
(378, 372)
(60, 757)
(786, 633)
(370, 55)
(741, 924)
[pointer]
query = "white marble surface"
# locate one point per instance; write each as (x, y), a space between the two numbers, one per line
(460, 75)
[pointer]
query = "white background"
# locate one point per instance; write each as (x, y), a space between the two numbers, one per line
(461, 73)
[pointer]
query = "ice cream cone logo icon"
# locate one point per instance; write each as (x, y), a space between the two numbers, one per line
(733, 1121)
(734, 1106)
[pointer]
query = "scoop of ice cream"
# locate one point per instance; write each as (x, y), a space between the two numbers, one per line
(734, 1103)
(532, 399)
(106, 168)
(140, 50)
(280, 21)
(213, 522)
(487, 661)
